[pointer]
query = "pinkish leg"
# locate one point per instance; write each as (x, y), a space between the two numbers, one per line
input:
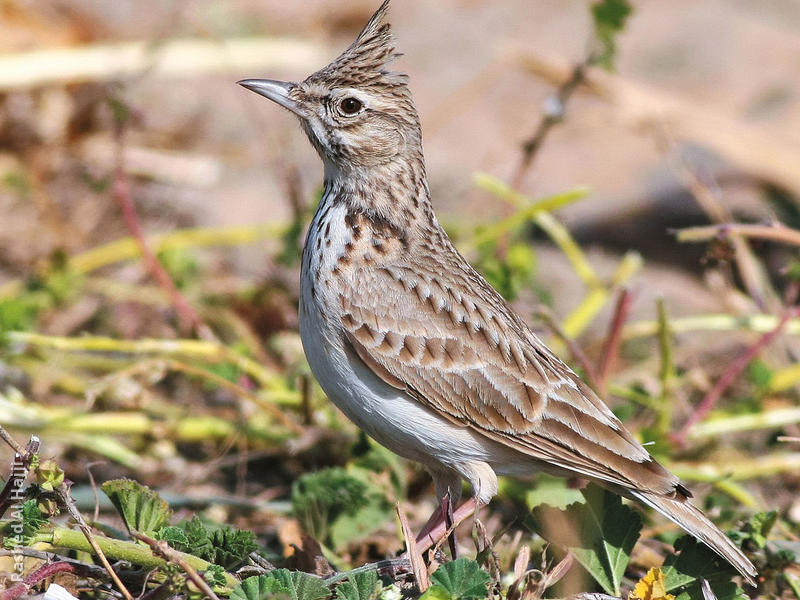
(436, 528)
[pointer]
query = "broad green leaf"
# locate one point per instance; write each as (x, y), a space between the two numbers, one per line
(695, 560)
(599, 533)
(141, 508)
(436, 592)
(361, 586)
(462, 579)
(281, 583)
(260, 587)
(553, 491)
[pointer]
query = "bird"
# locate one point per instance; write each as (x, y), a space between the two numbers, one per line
(411, 343)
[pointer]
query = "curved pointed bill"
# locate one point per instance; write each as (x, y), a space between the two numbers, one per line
(277, 91)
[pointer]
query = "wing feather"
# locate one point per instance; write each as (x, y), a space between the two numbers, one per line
(469, 357)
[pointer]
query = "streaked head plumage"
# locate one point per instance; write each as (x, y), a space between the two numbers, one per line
(356, 111)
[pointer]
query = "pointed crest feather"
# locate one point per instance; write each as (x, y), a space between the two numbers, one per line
(366, 60)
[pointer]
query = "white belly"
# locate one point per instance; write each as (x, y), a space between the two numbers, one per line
(385, 413)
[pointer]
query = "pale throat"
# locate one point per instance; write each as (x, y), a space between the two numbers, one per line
(396, 191)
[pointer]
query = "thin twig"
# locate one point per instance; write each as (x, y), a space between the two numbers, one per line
(447, 512)
(65, 498)
(613, 339)
(554, 112)
(776, 231)
(708, 198)
(390, 564)
(666, 372)
(187, 316)
(712, 397)
(15, 445)
(163, 549)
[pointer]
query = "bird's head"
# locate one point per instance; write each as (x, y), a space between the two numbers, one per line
(357, 113)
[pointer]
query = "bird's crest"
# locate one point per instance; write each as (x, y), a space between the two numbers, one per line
(366, 60)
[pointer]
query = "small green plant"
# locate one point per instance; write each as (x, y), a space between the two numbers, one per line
(461, 579)
(218, 544)
(281, 583)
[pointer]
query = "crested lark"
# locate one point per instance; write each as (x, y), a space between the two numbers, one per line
(410, 342)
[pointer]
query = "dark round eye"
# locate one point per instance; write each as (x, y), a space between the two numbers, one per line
(351, 106)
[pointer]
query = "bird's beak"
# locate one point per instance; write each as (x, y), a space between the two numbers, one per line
(277, 91)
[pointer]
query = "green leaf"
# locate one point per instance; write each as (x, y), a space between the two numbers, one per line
(32, 517)
(141, 508)
(181, 266)
(435, 592)
(599, 533)
(218, 544)
(174, 536)
(695, 561)
(49, 475)
(232, 546)
(336, 506)
(757, 528)
(551, 490)
(281, 583)
(215, 576)
(609, 20)
(759, 374)
(362, 586)
(260, 587)
(462, 579)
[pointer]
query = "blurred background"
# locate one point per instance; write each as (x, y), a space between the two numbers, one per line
(712, 84)
(121, 126)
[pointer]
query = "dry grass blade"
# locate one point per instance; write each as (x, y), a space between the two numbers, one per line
(418, 567)
(776, 232)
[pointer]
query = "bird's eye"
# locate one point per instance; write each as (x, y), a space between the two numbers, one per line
(350, 106)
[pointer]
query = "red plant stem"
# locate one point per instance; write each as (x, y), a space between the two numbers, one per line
(737, 366)
(38, 575)
(613, 340)
(189, 320)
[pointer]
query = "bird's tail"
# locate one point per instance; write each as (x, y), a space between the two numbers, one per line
(695, 522)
